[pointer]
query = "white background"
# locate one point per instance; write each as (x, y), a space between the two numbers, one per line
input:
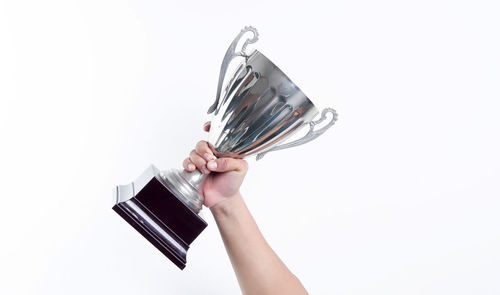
(402, 196)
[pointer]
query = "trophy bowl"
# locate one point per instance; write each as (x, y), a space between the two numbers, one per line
(256, 112)
(261, 106)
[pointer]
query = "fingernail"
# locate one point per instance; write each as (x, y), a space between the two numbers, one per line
(190, 167)
(204, 169)
(212, 165)
(207, 157)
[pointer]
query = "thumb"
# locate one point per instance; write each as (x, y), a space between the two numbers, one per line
(227, 164)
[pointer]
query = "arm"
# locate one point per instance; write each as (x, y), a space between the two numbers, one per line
(258, 269)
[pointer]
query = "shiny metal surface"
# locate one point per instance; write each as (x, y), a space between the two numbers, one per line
(186, 186)
(310, 135)
(259, 109)
(231, 53)
(254, 113)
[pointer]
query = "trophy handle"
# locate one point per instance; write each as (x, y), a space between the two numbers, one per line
(230, 55)
(311, 134)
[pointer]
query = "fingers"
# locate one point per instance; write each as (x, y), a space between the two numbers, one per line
(206, 126)
(199, 157)
(188, 165)
(204, 160)
(204, 151)
(227, 164)
(199, 162)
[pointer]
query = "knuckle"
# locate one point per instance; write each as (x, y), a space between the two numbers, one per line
(200, 162)
(223, 164)
(201, 145)
(196, 159)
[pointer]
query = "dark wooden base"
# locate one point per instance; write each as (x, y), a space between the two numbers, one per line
(150, 207)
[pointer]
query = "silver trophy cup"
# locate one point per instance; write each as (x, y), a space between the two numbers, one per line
(257, 110)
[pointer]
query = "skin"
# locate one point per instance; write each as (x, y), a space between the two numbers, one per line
(258, 269)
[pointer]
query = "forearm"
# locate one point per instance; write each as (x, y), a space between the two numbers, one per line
(258, 269)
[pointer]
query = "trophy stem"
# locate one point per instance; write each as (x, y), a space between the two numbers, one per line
(186, 186)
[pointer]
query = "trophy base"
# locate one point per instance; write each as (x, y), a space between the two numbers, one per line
(150, 206)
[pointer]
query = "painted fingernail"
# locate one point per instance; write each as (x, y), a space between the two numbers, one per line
(207, 157)
(212, 165)
(190, 167)
(204, 169)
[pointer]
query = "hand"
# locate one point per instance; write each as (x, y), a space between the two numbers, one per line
(225, 175)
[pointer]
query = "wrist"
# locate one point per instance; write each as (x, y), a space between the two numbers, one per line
(227, 206)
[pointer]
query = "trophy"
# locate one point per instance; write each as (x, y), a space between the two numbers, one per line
(257, 110)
